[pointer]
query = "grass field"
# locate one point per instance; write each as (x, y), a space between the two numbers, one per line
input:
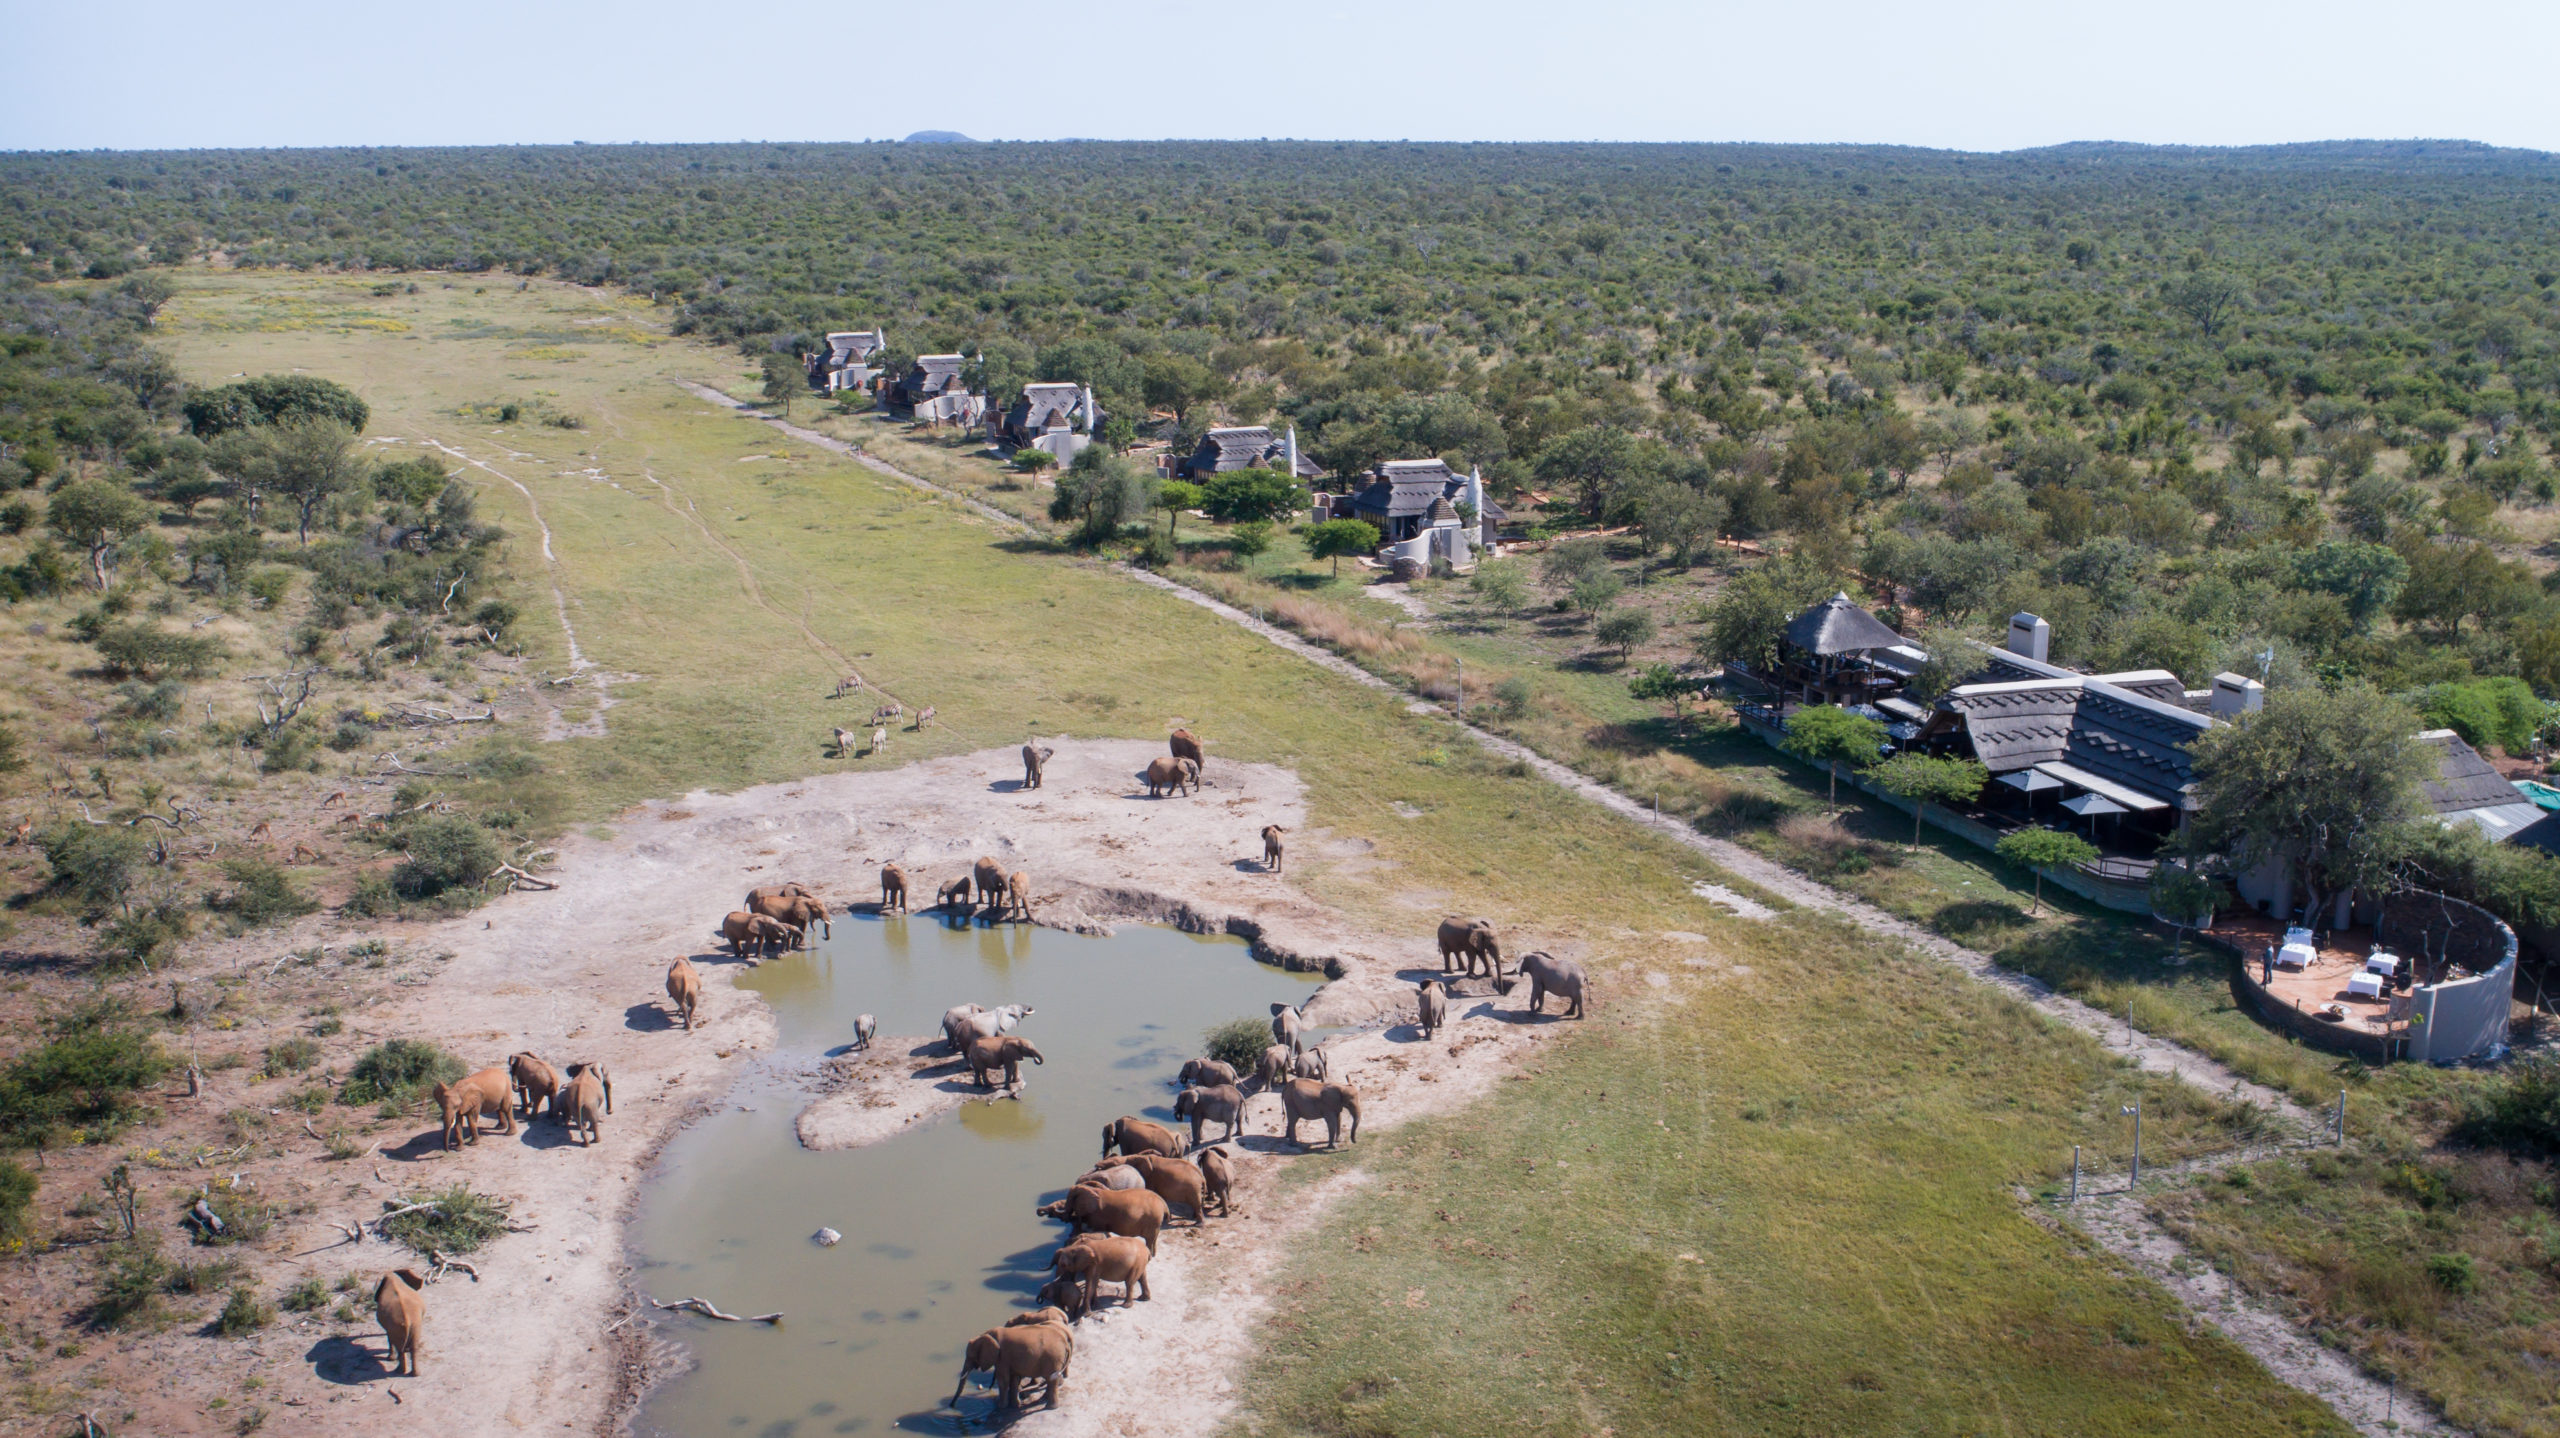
(1847, 1131)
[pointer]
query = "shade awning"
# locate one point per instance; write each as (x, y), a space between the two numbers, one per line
(2028, 781)
(2090, 806)
(2080, 778)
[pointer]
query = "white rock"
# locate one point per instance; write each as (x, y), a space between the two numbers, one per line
(826, 1238)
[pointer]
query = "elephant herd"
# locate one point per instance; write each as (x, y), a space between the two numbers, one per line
(1006, 896)
(579, 1096)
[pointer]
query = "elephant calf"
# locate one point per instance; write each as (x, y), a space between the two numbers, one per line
(1007, 1053)
(1216, 1103)
(463, 1101)
(1308, 1099)
(684, 989)
(953, 898)
(1271, 847)
(590, 1098)
(401, 1310)
(1217, 1181)
(1431, 1009)
(537, 1084)
(893, 889)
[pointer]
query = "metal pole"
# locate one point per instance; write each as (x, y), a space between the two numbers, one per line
(2135, 1109)
(2342, 1118)
(2075, 1173)
(1462, 687)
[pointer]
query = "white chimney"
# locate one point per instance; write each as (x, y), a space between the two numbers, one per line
(2234, 695)
(1293, 452)
(2030, 636)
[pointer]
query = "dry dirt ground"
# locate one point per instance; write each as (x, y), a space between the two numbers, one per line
(546, 1338)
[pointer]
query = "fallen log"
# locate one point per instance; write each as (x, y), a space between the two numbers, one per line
(703, 1307)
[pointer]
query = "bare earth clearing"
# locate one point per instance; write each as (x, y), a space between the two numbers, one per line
(577, 974)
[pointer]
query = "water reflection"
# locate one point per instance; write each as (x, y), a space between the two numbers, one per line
(940, 1238)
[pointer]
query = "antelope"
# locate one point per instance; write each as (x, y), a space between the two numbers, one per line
(844, 742)
(849, 684)
(879, 738)
(924, 716)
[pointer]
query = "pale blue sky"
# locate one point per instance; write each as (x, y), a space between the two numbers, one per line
(1969, 74)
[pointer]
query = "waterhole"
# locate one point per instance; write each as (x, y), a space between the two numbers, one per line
(939, 1238)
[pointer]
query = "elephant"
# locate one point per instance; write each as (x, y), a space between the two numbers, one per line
(989, 879)
(590, 1098)
(778, 891)
(954, 896)
(893, 889)
(1103, 1259)
(1315, 1063)
(463, 1101)
(1177, 1181)
(1218, 1103)
(1136, 1136)
(1548, 974)
(402, 1311)
(1432, 1008)
(1006, 1053)
(1164, 774)
(1186, 747)
(799, 911)
(1288, 1026)
(1131, 1213)
(537, 1084)
(1061, 1295)
(969, 1023)
(1207, 1071)
(1307, 1099)
(684, 988)
(1049, 1313)
(1274, 1066)
(1271, 848)
(864, 1026)
(1033, 757)
(1111, 1176)
(1217, 1181)
(1018, 1355)
(1017, 895)
(762, 933)
(1471, 941)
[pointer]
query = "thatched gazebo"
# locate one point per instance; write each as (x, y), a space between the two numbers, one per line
(1825, 654)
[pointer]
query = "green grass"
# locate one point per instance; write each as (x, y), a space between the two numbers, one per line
(736, 575)
(1699, 1219)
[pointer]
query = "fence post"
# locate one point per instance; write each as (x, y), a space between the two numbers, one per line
(2342, 1118)
(2075, 1173)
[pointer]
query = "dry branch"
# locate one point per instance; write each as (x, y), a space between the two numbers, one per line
(703, 1307)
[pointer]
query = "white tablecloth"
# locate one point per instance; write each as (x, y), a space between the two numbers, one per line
(2369, 985)
(2379, 962)
(2296, 956)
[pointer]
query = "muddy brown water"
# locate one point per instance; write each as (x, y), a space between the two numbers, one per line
(940, 1242)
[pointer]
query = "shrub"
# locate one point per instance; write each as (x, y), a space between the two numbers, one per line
(397, 1071)
(2518, 1109)
(1503, 583)
(151, 652)
(1514, 695)
(270, 585)
(1153, 552)
(291, 1056)
(97, 866)
(84, 1078)
(373, 898)
(260, 894)
(245, 1217)
(129, 1286)
(303, 1297)
(1239, 1043)
(17, 1205)
(2453, 1272)
(446, 851)
(1249, 539)
(460, 1222)
(245, 1313)
(203, 1277)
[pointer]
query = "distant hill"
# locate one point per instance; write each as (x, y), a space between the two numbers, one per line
(938, 137)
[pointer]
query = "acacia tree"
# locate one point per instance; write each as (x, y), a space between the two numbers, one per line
(2324, 783)
(1174, 496)
(1924, 779)
(311, 462)
(1337, 537)
(97, 515)
(1661, 684)
(2039, 849)
(1828, 734)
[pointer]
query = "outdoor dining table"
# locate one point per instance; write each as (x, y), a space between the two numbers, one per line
(2296, 956)
(2365, 985)
(2379, 962)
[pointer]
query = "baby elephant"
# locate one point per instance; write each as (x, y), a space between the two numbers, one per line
(1217, 1181)
(590, 1098)
(1432, 1008)
(1007, 1053)
(1271, 847)
(864, 1026)
(537, 1084)
(684, 988)
(402, 1313)
(1217, 1103)
(463, 1101)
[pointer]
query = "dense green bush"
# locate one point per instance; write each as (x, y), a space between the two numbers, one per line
(94, 864)
(460, 1222)
(1239, 1043)
(260, 894)
(245, 1313)
(150, 651)
(17, 1205)
(2518, 1108)
(86, 1078)
(397, 1071)
(445, 852)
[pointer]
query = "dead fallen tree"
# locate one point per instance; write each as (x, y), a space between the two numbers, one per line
(703, 1307)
